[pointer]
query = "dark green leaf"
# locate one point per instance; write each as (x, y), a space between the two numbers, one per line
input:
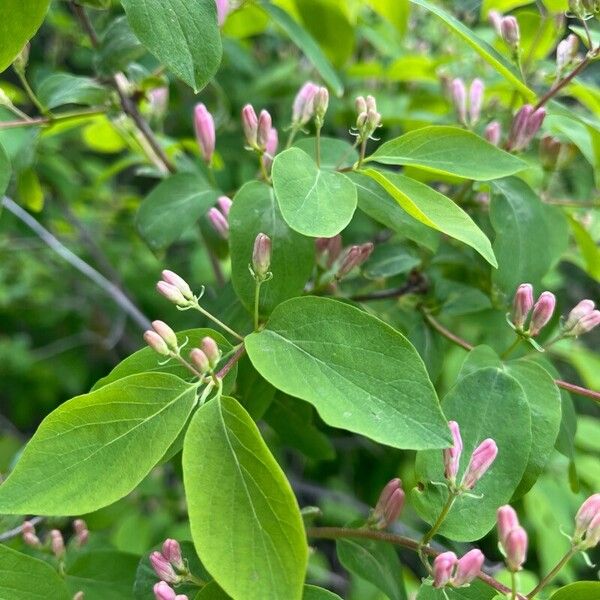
(388, 260)
(475, 591)
(118, 48)
(64, 88)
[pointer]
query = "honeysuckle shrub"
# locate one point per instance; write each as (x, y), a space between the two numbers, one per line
(298, 300)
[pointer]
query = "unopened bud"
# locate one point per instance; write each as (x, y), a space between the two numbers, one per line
(171, 550)
(542, 312)
(361, 105)
(265, 125)
(328, 249)
(223, 9)
(57, 543)
(79, 596)
(515, 546)
(261, 255)
(458, 94)
(507, 520)
(495, 18)
(481, 460)
(166, 333)
(355, 256)
(468, 567)
(321, 103)
(29, 536)
(219, 222)
(493, 133)
(581, 309)
(211, 349)
(303, 107)
(566, 51)
(452, 454)
(159, 100)
(373, 120)
(443, 568)
(177, 281)
(592, 535)
(371, 103)
(224, 205)
(156, 343)
(586, 324)
(389, 505)
(476, 92)
(205, 131)
(163, 568)
(163, 591)
(516, 136)
(586, 514)
(171, 293)
(509, 29)
(522, 304)
(271, 148)
(250, 124)
(534, 123)
(200, 360)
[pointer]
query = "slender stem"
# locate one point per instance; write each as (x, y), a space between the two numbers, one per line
(565, 80)
(51, 120)
(446, 333)
(318, 146)
(363, 151)
(187, 365)
(232, 361)
(552, 574)
(588, 34)
(399, 540)
(293, 131)
(512, 347)
(219, 323)
(30, 93)
(416, 285)
(513, 584)
(256, 303)
(452, 496)
(577, 389)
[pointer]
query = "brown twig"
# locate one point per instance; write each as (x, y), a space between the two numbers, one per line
(416, 284)
(577, 389)
(229, 364)
(563, 82)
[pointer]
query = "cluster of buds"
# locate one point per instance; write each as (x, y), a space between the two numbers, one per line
(450, 570)
(310, 101)
(566, 51)
(368, 119)
(584, 9)
(523, 304)
(587, 524)
(162, 339)
(223, 9)
(219, 216)
(55, 540)
(525, 125)
(328, 250)
(261, 258)
(507, 28)
(471, 105)
(554, 155)
(176, 290)
(583, 318)
(389, 505)
(82, 533)
(493, 133)
(353, 257)
(163, 591)
(512, 538)
(204, 126)
(207, 357)
(168, 564)
(261, 136)
(481, 460)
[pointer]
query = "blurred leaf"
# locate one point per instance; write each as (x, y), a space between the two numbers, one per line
(590, 251)
(477, 590)
(309, 349)
(390, 259)
(63, 88)
(395, 11)
(502, 6)
(239, 501)
(5, 170)
(29, 190)
(582, 590)
(102, 136)
(118, 47)
(182, 34)
(88, 438)
(249, 20)
(312, 592)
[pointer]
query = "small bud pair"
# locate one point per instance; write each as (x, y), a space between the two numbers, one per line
(163, 591)
(304, 107)
(581, 319)
(328, 250)
(587, 523)
(512, 537)
(168, 563)
(354, 257)
(458, 94)
(29, 535)
(261, 257)
(368, 119)
(448, 569)
(389, 505)
(542, 310)
(175, 289)
(82, 533)
(204, 125)
(256, 129)
(207, 357)
(525, 125)
(162, 340)
(566, 51)
(218, 217)
(270, 149)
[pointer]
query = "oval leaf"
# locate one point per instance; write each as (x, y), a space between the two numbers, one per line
(358, 372)
(182, 34)
(96, 448)
(582, 590)
(313, 202)
(245, 520)
(434, 210)
(450, 151)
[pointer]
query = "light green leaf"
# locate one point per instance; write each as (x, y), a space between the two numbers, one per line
(19, 20)
(489, 54)
(486, 404)
(172, 207)
(64, 88)
(182, 34)
(395, 11)
(312, 592)
(530, 235)
(590, 252)
(434, 210)
(581, 590)
(375, 562)
(313, 201)
(335, 153)
(95, 448)
(477, 590)
(5, 170)
(211, 591)
(358, 372)
(479, 358)
(307, 44)
(245, 520)
(28, 578)
(450, 151)
(255, 211)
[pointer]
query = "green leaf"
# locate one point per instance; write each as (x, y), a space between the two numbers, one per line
(95, 448)
(118, 47)
(375, 562)
(486, 404)
(477, 590)
(255, 211)
(530, 236)
(102, 574)
(434, 210)
(64, 88)
(335, 153)
(28, 578)
(390, 259)
(172, 207)
(312, 592)
(19, 20)
(182, 34)
(147, 360)
(489, 54)
(211, 591)
(307, 44)
(450, 151)
(590, 252)
(358, 372)
(581, 590)
(245, 520)
(313, 201)
(5, 170)
(479, 358)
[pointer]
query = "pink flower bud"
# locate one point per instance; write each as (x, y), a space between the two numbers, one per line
(458, 93)
(394, 506)
(522, 304)
(163, 568)
(250, 124)
(328, 249)
(82, 537)
(566, 51)
(371, 103)
(265, 125)
(592, 535)
(361, 105)
(586, 514)
(443, 568)
(205, 131)
(219, 222)
(586, 323)
(389, 505)
(452, 454)
(177, 281)
(481, 460)
(507, 520)
(303, 107)
(211, 349)
(493, 133)
(171, 293)
(57, 543)
(534, 123)
(581, 309)
(509, 29)
(468, 567)
(261, 255)
(166, 333)
(159, 100)
(542, 312)
(271, 149)
(29, 536)
(516, 137)
(373, 121)
(79, 525)
(200, 360)
(27, 527)
(224, 205)
(163, 591)
(475, 100)
(321, 102)
(515, 546)
(495, 18)
(156, 343)
(354, 257)
(223, 9)
(171, 550)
